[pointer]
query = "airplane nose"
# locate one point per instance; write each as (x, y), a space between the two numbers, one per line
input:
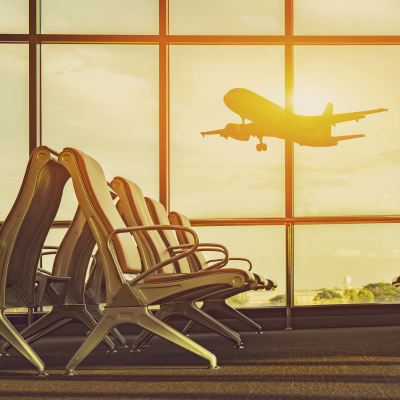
(232, 98)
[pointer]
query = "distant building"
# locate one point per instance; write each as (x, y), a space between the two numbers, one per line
(347, 282)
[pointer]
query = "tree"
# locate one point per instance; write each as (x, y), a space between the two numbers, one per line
(365, 296)
(384, 292)
(325, 296)
(279, 300)
(350, 296)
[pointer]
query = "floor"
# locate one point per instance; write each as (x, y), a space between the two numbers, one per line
(348, 363)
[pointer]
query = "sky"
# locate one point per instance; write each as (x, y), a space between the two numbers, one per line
(103, 99)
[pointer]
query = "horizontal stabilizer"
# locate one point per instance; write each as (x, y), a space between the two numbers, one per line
(339, 138)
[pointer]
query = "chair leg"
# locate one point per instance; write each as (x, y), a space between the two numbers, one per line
(222, 306)
(38, 329)
(9, 333)
(188, 327)
(140, 316)
(84, 316)
(57, 317)
(97, 314)
(96, 336)
(48, 330)
(191, 311)
(196, 314)
(152, 324)
(162, 314)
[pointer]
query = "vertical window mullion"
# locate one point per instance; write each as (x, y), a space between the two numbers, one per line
(34, 71)
(163, 104)
(289, 109)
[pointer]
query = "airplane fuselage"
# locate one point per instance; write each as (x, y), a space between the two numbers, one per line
(273, 122)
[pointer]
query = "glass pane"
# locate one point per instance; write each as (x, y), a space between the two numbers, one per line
(210, 176)
(117, 17)
(227, 17)
(343, 17)
(14, 16)
(339, 264)
(264, 246)
(14, 134)
(103, 100)
(360, 176)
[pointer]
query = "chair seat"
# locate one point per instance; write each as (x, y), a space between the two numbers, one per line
(249, 277)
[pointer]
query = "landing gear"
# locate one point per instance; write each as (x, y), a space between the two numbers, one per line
(261, 146)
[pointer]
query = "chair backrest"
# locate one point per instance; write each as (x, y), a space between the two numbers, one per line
(197, 260)
(73, 257)
(95, 201)
(25, 229)
(136, 213)
(146, 254)
(160, 217)
(95, 288)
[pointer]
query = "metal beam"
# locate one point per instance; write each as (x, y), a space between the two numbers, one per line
(34, 70)
(163, 105)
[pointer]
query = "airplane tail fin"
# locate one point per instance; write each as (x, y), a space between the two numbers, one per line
(326, 128)
(328, 110)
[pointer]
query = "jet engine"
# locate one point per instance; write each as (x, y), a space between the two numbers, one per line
(236, 131)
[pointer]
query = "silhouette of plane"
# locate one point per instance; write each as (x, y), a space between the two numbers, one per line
(268, 119)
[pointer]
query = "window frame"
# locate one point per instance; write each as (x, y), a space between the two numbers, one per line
(163, 40)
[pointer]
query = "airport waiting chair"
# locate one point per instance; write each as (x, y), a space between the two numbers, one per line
(127, 302)
(198, 263)
(95, 294)
(22, 236)
(68, 303)
(135, 213)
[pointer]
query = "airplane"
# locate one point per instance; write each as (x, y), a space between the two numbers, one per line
(269, 120)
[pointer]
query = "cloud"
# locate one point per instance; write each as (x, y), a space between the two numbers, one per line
(267, 185)
(177, 107)
(153, 103)
(307, 182)
(395, 253)
(260, 23)
(80, 124)
(342, 252)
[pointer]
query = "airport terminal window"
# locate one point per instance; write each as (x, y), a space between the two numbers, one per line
(106, 17)
(14, 121)
(14, 16)
(358, 176)
(102, 97)
(346, 264)
(134, 82)
(227, 17)
(212, 177)
(264, 246)
(343, 17)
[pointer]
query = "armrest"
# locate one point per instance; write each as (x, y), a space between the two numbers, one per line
(154, 228)
(44, 272)
(219, 248)
(46, 253)
(237, 259)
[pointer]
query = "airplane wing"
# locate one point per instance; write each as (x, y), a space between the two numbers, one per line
(339, 138)
(354, 116)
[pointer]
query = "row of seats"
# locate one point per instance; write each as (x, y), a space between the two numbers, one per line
(134, 236)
